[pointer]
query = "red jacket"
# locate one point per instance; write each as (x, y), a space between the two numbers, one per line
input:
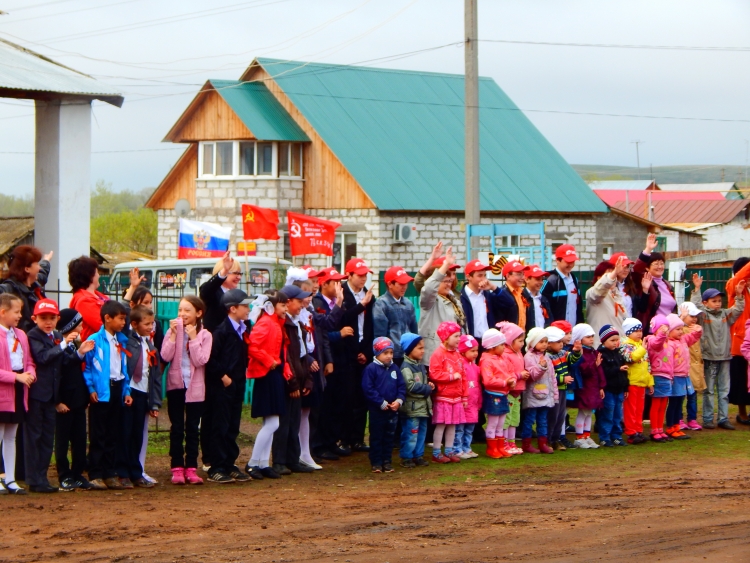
(267, 346)
(496, 373)
(90, 306)
(447, 372)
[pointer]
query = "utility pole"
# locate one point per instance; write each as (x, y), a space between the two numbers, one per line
(747, 152)
(471, 103)
(638, 157)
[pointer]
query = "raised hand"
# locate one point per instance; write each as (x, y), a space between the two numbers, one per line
(450, 258)
(740, 288)
(48, 256)
(651, 243)
(226, 264)
(368, 297)
(577, 346)
(436, 251)
(70, 337)
(646, 282)
(621, 268)
(598, 359)
(135, 277)
(86, 346)
(697, 281)
(339, 293)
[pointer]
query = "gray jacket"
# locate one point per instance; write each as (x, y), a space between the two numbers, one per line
(716, 341)
(433, 310)
(393, 318)
(418, 403)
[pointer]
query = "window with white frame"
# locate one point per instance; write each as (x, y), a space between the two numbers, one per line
(250, 158)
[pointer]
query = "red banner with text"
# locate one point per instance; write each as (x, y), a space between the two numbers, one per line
(310, 235)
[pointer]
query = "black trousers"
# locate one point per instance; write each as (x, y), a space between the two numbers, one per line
(332, 411)
(226, 405)
(133, 420)
(382, 430)
(185, 433)
(355, 419)
(205, 428)
(285, 448)
(105, 434)
(39, 439)
(70, 430)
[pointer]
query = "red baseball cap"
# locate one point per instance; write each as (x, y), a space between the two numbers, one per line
(534, 271)
(512, 266)
(328, 274)
(46, 306)
(397, 274)
(311, 272)
(357, 266)
(441, 260)
(566, 252)
(475, 266)
(625, 259)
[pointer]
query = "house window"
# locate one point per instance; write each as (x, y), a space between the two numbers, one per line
(265, 159)
(208, 159)
(344, 249)
(247, 159)
(607, 252)
(224, 159)
(296, 158)
(284, 159)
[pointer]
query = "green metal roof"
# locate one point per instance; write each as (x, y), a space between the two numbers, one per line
(259, 110)
(401, 135)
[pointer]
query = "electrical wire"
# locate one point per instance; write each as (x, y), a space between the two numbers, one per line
(13, 10)
(108, 152)
(618, 46)
(12, 21)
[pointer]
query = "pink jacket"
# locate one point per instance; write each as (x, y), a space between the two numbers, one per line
(745, 349)
(515, 362)
(541, 389)
(496, 373)
(447, 373)
(199, 350)
(471, 371)
(8, 376)
(681, 363)
(661, 354)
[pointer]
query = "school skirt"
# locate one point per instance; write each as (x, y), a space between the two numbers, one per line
(495, 404)
(19, 415)
(681, 386)
(738, 394)
(662, 387)
(315, 398)
(269, 394)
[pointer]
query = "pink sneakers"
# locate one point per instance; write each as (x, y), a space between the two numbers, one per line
(191, 476)
(683, 426)
(693, 425)
(178, 476)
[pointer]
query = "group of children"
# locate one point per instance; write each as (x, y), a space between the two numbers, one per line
(49, 378)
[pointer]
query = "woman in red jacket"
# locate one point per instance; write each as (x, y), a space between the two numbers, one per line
(269, 368)
(83, 275)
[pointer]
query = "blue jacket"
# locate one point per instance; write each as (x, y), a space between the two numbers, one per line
(96, 372)
(383, 384)
(393, 318)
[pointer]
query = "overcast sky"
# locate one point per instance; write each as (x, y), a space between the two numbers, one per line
(159, 52)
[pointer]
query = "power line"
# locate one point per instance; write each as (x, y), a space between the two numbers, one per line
(38, 5)
(12, 21)
(619, 46)
(107, 152)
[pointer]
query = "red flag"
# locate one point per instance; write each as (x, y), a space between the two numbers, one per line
(310, 235)
(259, 223)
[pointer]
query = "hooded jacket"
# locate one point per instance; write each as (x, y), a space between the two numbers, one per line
(639, 367)
(716, 342)
(660, 354)
(681, 348)
(496, 374)
(612, 361)
(447, 373)
(417, 403)
(541, 387)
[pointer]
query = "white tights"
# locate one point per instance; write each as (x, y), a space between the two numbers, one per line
(262, 448)
(304, 437)
(437, 436)
(8, 437)
(583, 421)
(144, 446)
(494, 427)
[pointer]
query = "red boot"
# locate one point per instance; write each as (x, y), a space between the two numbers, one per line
(501, 449)
(492, 450)
(543, 447)
(527, 447)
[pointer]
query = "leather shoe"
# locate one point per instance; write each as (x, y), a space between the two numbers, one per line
(43, 488)
(342, 451)
(270, 473)
(142, 483)
(328, 456)
(726, 425)
(281, 469)
(254, 472)
(299, 468)
(114, 484)
(361, 448)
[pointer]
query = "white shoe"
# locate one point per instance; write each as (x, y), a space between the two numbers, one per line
(582, 443)
(593, 445)
(472, 454)
(310, 464)
(465, 455)
(149, 478)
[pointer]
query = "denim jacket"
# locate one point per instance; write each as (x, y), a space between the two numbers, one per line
(393, 318)
(96, 372)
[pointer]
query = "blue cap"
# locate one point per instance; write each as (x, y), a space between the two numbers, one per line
(711, 292)
(294, 292)
(409, 341)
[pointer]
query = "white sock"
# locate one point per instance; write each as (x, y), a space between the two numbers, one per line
(8, 437)
(304, 437)
(263, 441)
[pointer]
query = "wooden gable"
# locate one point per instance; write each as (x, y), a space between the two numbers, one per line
(208, 118)
(179, 182)
(328, 184)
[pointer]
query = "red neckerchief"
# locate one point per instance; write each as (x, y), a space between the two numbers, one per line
(122, 350)
(16, 342)
(544, 313)
(246, 337)
(152, 361)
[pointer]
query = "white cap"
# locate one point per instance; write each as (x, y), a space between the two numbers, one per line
(690, 308)
(554, 334)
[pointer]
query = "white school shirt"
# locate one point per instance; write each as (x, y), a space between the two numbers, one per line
(538, 313)
(115, 361)
(361, 317)
(572, 303)
(302, 344)
(626, 299)
(185, 362)
(142, 385)
(479, 308)
(16, 358)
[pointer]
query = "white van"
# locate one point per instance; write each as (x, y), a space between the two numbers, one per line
(173, 278)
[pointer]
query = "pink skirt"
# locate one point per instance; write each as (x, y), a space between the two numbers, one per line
(448, 413)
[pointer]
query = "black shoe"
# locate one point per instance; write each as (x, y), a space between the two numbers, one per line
(567, 443)
(745, 421)
(68, 485)
(299, 468)
(269, 473)
(43, 489)
(221, 478)
(709, 425)
(726, 425)
(420, 462)
(619, 442)
(327, 456)
(408, 463)
(239, 476)
(342, 451)
(281, 469)
(14, 491)
(254, 473)
(83, 484)
(387, 468)
(361, 448)
(570, 430)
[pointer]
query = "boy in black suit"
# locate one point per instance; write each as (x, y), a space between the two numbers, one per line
(145, 390)
(225, 385)
(48, 349)
(71, 404)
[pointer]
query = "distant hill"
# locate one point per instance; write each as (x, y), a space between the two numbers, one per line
(698, 174)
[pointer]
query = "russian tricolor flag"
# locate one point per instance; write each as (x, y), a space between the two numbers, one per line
(202, 240)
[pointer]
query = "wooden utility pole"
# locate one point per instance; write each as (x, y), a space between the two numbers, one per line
(471, 102)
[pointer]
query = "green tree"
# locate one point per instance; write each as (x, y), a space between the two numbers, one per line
(14, 206)
(126, 230)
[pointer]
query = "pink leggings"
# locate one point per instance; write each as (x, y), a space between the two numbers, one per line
(494, 427)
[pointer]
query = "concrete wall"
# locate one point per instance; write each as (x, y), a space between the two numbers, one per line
(734, 234)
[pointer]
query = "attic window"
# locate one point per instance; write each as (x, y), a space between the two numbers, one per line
(250, 158)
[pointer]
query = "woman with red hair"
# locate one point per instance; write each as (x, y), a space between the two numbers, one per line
(28, 272)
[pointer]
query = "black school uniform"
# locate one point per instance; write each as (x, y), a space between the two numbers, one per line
(134, 417)
(228, 357)
(70, 427)
(49, 353)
